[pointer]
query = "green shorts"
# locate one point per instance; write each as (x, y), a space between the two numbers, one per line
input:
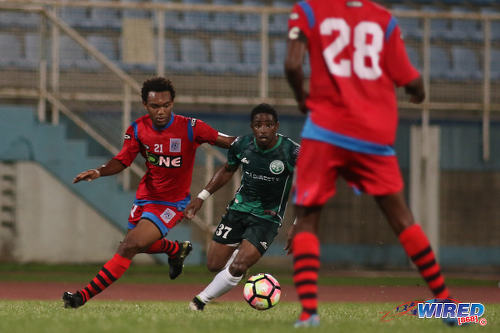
(236, 226)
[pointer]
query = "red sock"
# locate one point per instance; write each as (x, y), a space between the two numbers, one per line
(418, 248)
(109, 273)
(164, 246)
(305, 248)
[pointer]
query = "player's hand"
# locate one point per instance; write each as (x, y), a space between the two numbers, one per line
(193, 208)
(88, 175)
(291, 233)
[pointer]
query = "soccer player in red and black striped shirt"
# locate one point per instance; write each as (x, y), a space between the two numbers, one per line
(357, 56)
(168, 143)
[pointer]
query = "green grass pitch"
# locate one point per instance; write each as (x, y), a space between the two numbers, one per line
(148, 317)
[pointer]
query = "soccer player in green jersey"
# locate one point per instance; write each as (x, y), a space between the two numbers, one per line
(254, 215)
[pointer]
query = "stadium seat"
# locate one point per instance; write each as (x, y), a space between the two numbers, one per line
(250, 22)
(224, 21)
(251, 57)
(465, 64)
(193, 20)
(136, 13)
(10, 50)
(172, 18)
(279, 22)
(104, 17)
(73, 55)
(225, 56)
(482, 2)
(495, 24)
(439, 27)
(12, 19)
(106, 46)
(74, 16)
(414, 55)
(409, 26)
(495, 64)
(453, 2)
(278, 58)
(464, 29)
(193, 55)
(32, 49)
(440, 63)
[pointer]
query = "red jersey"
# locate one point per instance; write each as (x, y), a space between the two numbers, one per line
(169, 154)
(356, 56)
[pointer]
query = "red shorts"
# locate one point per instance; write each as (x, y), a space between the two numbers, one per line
(319, 164)
(163, 216)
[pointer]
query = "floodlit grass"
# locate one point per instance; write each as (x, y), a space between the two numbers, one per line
(122, 317)
(198, 274)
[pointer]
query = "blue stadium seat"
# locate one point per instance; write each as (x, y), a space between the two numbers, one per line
(74, 16)
(172, 18)
(440, 63)
(10, 50)
(171, 55)
(465, 64)
(225, 56)
(72, 55)
(32, 49)
(224, 21)
(136, 13)
(193, 55)
(250, 22)
(495, 64)
(278, 58)
(409, 26)
(464, 29)
(104, 17)
(414, 56)
(251, 57)
(105, 45)
(279, 22)
(439, 27)
(11, 19)
(495, 25)
(193, 20)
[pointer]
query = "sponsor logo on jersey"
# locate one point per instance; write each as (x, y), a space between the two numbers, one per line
(354, 4)
(294, 16)
(262, 177)
(127, 137)
(164, 161)
(264, 245)
(276, 167)
(175, 145)
(245, 160)
(193, 122)
(167, 215)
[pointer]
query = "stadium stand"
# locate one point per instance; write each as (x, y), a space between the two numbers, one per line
(194, 55)
(495, 64)
(225, 56)
(104, 18)
(465, 64)
(12, 19)
(277, 58)
(75, 16)
(251, 57)
(10, 50)
(440, 63)
(73, 55)
(464, 29)
(279, 22)
(106, 46)
(439, 27)
(250, 22)
(414, 56)
(223, 21)
(409, 26)
(193, 20)
(133, 13)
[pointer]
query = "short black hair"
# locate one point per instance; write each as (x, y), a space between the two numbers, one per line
(156, 84)
(264, 108)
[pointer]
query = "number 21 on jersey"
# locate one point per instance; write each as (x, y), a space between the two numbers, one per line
(362, 49)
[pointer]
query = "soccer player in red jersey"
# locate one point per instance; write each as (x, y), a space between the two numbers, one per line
(168, 142)
(357, 56)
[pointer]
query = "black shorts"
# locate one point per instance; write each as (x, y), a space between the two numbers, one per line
(236, 226)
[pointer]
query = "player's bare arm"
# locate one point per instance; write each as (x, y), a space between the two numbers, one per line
(110, 168)
(219, 179)
(296, 51)
(416, 90)
(224, 141)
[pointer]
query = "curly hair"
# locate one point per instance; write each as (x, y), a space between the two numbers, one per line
(264, 108)
(156, 84)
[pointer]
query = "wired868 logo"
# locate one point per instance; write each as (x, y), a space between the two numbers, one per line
(463, 312)
(449, 309)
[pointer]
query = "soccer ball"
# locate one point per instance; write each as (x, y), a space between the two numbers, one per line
(262, 291)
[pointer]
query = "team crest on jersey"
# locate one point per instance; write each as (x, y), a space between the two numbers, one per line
(175, 145)
(167, 215)
(193, 122)
(276, 167)
(164, 161)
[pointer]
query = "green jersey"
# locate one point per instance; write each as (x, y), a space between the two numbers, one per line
(266, 176)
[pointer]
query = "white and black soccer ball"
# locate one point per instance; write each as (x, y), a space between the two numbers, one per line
(262, 291)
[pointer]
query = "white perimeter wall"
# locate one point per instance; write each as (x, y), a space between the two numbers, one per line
(56, 226)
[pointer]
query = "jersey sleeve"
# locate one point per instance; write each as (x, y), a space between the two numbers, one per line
(203, 132)
(130, 147)
(399, 67)
(301, 18)
(233, 153)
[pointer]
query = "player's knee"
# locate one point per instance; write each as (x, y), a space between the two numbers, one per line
(214, 265)
(238, 268)
(130, 247)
